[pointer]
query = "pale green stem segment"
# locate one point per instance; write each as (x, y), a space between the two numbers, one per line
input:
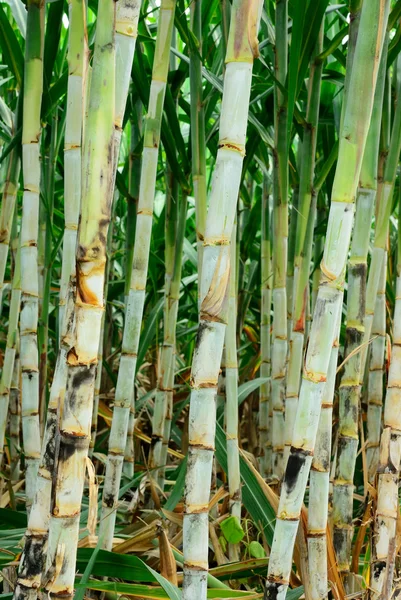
(8, 372)
(234, 477)
(75, 420)
(173, 312)
(375, 377)
(133, 187)
(33, 87)
(77, 53)
(32, 564)
(214, 291)
(7, 212)
(280, 240)
(136, 296)
(387, 507)
(265, 423)
(320, 482)
(351, 148)
(198, 144)
(350, 389)
(303, 245)
(15, 419)
(383, 210)
(165, 380)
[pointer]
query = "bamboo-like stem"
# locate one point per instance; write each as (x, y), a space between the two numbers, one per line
(234, 477)
(280, 240)
(383, 210)
(7, 212)
(173, 299)
(15, 419)
(99, 368)
(376, 374)
(165, 380)
(8, 372)
(33, 84)
(198, 144)
(43, 331)
(265, 433)
(350, 389)
(31, 569)
(77, 66)
(136, 297)
(214, 288)
(387, 507)
(320, 482)
(75, 421)
(133, 188)
(303, 246)
(352, 144)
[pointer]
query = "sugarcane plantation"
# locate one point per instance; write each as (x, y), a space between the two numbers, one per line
(200, 299)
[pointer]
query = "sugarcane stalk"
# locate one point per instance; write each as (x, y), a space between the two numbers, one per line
(265, 433)
(234, 477)
(198, 144)
(165, 380)
(33, 87)
(303, 245)
(99, 368)
(280, 237)
(43, 331)
(320, 482)
(136, 297)
(351, 148)
(214, 288)
(375, 377)
(77, 66)
(384, 199)
(15, 419)
(387, 506)
(350, 389)
(8, 372)
(7, 212)
(75, 421)
(174, 296)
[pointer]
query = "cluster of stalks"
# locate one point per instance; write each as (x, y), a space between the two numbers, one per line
(200, 294)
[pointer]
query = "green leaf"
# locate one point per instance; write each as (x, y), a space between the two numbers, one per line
(256, 550)
(232, 530)
(11, 51)
(253, 496)
(149, 331)
(178, 488)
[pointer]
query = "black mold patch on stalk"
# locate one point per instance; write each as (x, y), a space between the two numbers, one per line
(354, 337)
(33, 556)
(271, 591)
(108, 500)
(50, 450)
(295, 463)
(70, 445)
(378, 568)
(203, 327)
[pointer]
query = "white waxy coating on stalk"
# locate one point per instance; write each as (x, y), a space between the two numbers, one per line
(29, 259)
(320, 483)
(7, 211)
(352, 142)
(386, 516)
(136, 296)
(376, 373)
(214, 294)
(231, 367)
